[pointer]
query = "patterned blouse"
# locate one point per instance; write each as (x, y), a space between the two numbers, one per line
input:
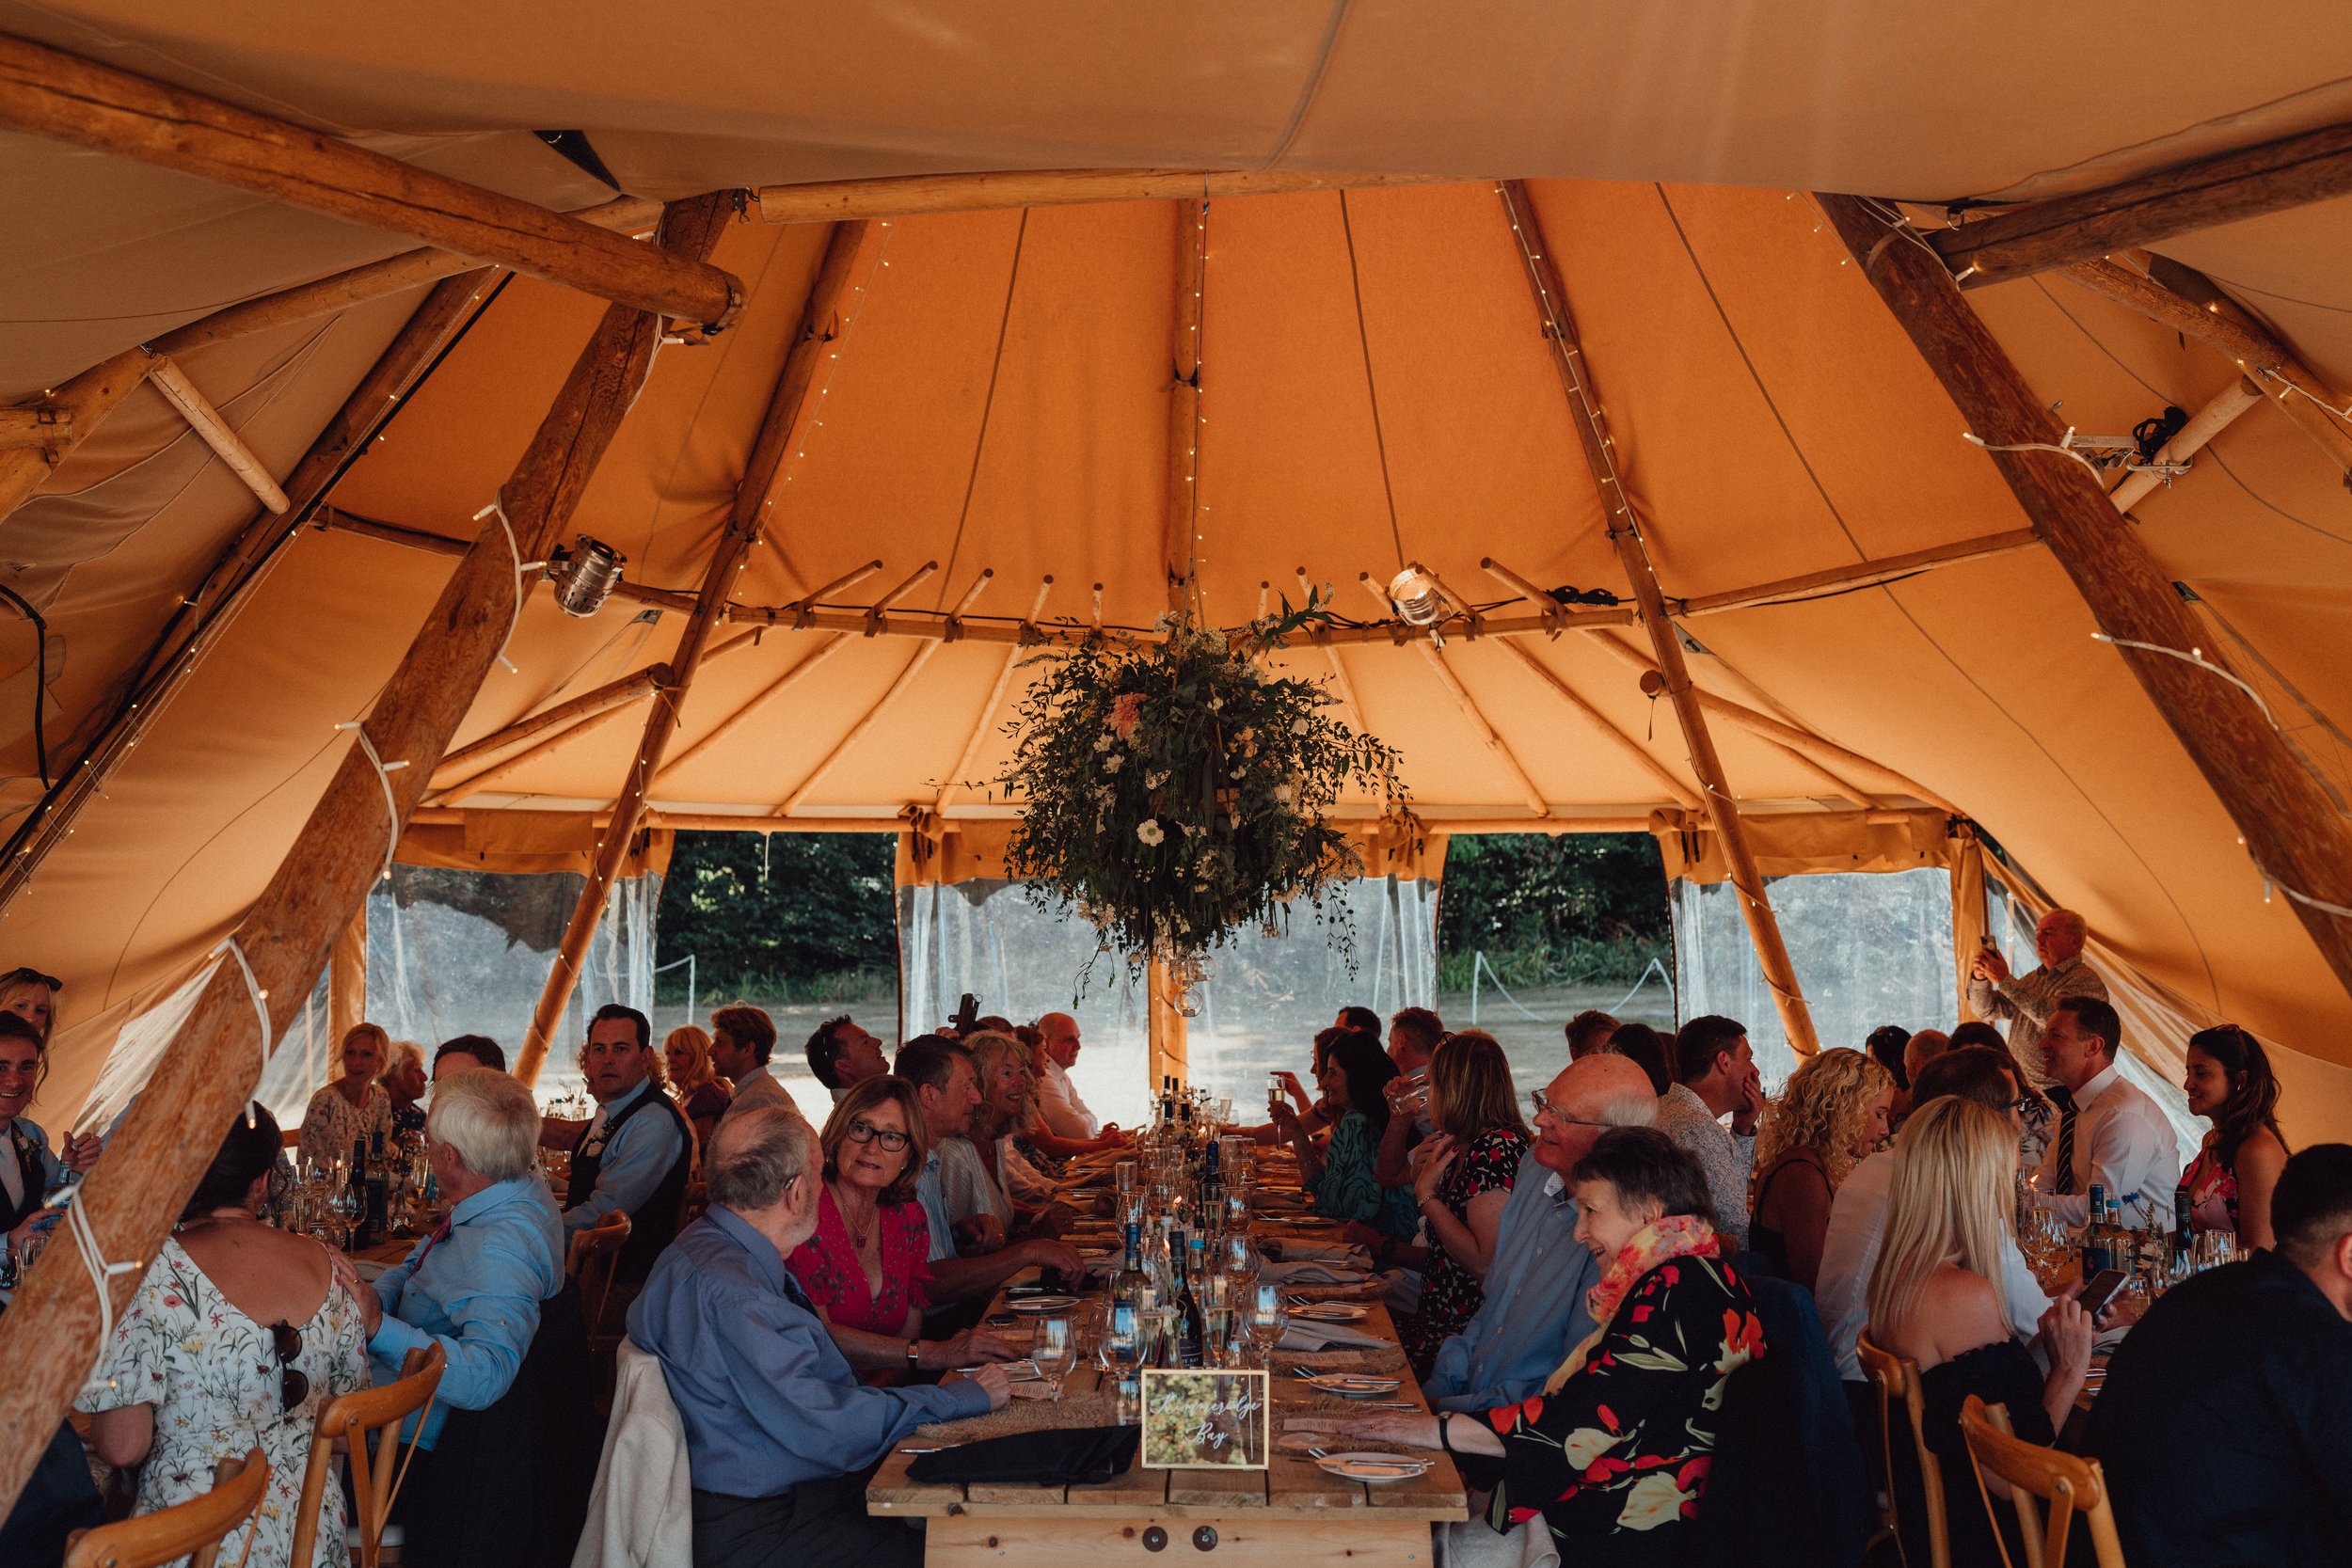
(1347, 1190)
(2213, 1189)
(828, 1269)
(1614, 1461)
(1449, 1293)
(331, 1125)
(214, 1377)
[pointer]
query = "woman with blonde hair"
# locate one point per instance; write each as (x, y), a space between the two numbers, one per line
(33, 997)
(984, 1171)
(701, 1094)
(1463, 1183)
(353, 1108)
(1832, 1111)
(1936, 1299)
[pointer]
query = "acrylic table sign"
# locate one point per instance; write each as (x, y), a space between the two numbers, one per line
(1204, 1420)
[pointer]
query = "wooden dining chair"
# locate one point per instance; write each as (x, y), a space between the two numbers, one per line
(375, 1478)
(1897, 1380)
(594, 1253)
(2070, 1485)
(193, 1530)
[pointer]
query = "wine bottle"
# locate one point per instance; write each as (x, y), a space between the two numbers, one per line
(1211, 1185)
(1132, 1286)
(1192, 1327)
(357, 1180)
(2183, 1224)
(378, 1189)
(2098, 1244)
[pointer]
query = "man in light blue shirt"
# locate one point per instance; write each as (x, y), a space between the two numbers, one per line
(780, 1435)
(474, 1287)
(1534, 1311)
(635, 1154)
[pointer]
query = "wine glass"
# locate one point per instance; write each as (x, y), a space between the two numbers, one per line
(1265, 1321)
(1054, 1351)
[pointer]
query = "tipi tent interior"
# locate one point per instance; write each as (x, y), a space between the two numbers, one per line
(1582, 320)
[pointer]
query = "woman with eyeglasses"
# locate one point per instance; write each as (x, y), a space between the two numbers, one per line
(865, 1270)
(2230, 1083)
(237, 1337)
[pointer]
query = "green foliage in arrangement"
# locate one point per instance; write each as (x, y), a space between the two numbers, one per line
(1173, 793)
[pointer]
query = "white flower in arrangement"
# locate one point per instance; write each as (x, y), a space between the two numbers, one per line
(1112, 765)
(1148, 831)
(1104, 743)
(1236, 773)
(1285, 794)
(1299, 726)
(1154, 780)
(1216, 704)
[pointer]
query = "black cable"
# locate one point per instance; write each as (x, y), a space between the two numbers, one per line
(41, 677)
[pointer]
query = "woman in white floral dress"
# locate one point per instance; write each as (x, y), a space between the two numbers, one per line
(353, 1106)
(237, 1337)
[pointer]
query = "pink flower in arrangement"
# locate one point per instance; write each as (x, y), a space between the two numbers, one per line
(1125, 712)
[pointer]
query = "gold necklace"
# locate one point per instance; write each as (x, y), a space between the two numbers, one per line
(857, 1238)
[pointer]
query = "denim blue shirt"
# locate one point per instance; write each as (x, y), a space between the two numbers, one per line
(635, 1160)
(476, 1291)
(766, 1397)
(1534, 1312)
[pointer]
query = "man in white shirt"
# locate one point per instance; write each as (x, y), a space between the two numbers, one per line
(2109, 1132)
(1716, 1069)
(742, 1040)
(1065, 1115)
(1857, 1218)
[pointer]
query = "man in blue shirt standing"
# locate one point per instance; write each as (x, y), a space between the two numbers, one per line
(1534, 1312)
(780, 1435)
(634, 1153)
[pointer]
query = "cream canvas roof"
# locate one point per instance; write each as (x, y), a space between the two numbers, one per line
(1375, 387)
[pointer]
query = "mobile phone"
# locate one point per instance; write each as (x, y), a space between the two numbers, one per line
(2103, 1285)
(967, 1015)
(1986, 941)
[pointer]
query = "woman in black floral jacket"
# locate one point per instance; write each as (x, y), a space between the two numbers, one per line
(1612, 1456)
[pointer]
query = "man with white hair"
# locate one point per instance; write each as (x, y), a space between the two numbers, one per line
(780, 1434)
(2026, 1001)
(1534, 1311)
(475, 1285)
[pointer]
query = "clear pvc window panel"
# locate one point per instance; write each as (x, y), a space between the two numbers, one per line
(1869, 949)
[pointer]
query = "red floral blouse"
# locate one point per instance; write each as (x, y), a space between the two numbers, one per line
(827, 1267)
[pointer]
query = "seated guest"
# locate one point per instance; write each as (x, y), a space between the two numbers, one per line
(2109, 1134)
(1534, 1312)
(1589, 1031)
(969, 1252)
(353, 1107)
(982, 1171)
(1364, 1021)
(1314, 1116)
(33, 997)
(865, 1270)
(2230, 1083)
(780, 1435)
(1918, 1051)
(27, 1168)
(1936, 1299)
(236, 1340)
(842, 1056)
(634, 1153)
(742, 1040)
(1886, 1045)
(1716, 1075)
(1414, 1035)
(1067, 1126)
(1341, 1178)
(2036, 1116)
(701, 1094)
(1857, 1219)
(405, 1083)
(2222, 1424)
(1831, 1113)
(467, 1054)
(1463, 1186)
(475, 1285)
(1652, 1052)
(1612, 1456)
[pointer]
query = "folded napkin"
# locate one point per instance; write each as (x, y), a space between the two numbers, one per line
(1304, 1335)
(1310, 1271)
(1291, 1249)
(1059, 1456)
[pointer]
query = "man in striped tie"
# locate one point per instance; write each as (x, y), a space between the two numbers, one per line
(2110, 1131)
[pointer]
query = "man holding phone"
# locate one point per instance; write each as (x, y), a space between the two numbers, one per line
(2026, 1001)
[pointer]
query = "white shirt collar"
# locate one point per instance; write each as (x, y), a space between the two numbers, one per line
(2105, 1079)
(1555, 1184)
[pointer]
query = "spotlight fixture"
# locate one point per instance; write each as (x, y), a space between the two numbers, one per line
(1417, 597)
(585, 575)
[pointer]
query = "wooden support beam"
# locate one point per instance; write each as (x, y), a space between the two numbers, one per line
(602, 699)
(1862, 573)
(46, 92)
(38, 427)
(2204, 425)
(226, 443)
(334, 519)
(1625, 531)
(2290, 827)
(180, 647)
(768, 822)
(780, 428)
(358, 285)
(833, 643)
(905, 678)
(1181, 520)
(914, 195)
(1676, 789)
(1495, 743)
(958, 775)
(81, 403)
(2226, 189)
(347, 979)
(51, 1334)
(2298, 392)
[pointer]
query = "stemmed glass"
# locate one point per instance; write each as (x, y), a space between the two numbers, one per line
(1265, 1321)
(1054, 1351)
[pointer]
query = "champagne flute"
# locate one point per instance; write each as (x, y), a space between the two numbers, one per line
(1054, 1351)
(1265, 1321)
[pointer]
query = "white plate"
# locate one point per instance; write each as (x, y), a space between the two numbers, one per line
(1330, 1311)
(1349, 1386)
(1372, 1467)
(1038, 1306)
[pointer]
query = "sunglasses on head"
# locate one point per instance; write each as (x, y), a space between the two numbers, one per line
(14, 975)
(293, 1386)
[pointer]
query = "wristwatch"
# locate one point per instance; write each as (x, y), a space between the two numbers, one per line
(914, 1354)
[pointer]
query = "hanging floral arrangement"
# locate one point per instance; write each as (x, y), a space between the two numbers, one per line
(1175, 793)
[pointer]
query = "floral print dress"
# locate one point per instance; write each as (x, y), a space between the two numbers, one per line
(214, 1377)
(1449, 1293)
(1614, 1462)
(828, 1268)
(331, 1124)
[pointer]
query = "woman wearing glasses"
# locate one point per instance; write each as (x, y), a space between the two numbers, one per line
(865, 1270)
(236, 1339)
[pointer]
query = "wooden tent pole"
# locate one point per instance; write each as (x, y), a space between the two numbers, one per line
(1625, 533)
(1864, 573)
(1676, 789)
(179, 647)
(1183, 400)
(2290, 827)
(909, 195)
(81, 404)
(2204, 425)
(217, 433)
(788, 407)
(347, 978)
(47, 92)
(51, 1334)
(612, 695)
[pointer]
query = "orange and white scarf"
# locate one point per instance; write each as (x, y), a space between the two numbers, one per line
(1658, 1241)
